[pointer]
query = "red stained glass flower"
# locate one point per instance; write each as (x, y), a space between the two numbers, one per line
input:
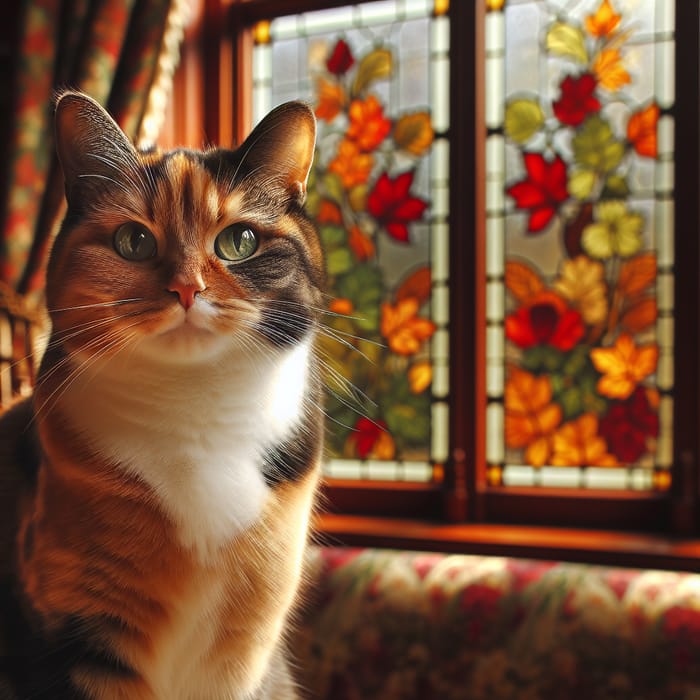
(542, 191)
(341, 59)
(627, 426)
(391, 203)
(577, 100)
(545, 321)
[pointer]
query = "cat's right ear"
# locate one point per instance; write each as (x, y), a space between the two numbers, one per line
(91, 147)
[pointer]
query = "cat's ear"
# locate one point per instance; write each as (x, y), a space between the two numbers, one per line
(281, 147)
(91, 147)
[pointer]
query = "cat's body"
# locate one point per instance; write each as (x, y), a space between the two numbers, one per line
(166, 465)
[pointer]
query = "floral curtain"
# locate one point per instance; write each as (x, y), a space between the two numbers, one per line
(122, 53)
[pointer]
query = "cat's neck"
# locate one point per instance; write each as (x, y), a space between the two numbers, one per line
(196, 433)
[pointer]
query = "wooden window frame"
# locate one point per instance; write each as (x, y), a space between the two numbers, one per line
(463, 513)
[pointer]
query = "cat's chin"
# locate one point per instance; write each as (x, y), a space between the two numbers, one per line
(186, 343)
(187, 337)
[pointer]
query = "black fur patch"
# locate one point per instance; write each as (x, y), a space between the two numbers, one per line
(292, 459)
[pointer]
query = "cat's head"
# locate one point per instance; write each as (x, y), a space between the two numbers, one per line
(186, 254)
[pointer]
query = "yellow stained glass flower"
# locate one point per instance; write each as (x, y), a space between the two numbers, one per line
(616, 231)
(582, 282)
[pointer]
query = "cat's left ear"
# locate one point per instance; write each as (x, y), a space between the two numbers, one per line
(282, 147)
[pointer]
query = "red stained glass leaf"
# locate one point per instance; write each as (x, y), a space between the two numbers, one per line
(341, 59)
(542, 191)
(392, 205)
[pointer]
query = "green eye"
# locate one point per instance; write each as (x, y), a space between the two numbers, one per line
(236, 242)
(133, 241)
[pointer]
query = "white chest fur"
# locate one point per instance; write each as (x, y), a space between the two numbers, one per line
(196, 433)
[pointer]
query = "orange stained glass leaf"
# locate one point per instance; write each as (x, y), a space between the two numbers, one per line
(531, 417)
(418, 285)
(329, 213)
(640, 315)
(610, 71)
(403, 329)
(368, 126)
(352, 166)
(341, 306)
(522, 281)
(420, 376)
(385, 447)
(331, 98)
(362, 245)
(577, 444)
(414, 133)
(604, 22)
(624, 366)
(636, 274)
(641, 130)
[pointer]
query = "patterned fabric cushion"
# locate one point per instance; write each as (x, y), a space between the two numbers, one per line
(418, 626)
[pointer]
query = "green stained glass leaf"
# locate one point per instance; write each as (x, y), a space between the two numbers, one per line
(358, 197)
(332, 236)
(338, 261)
(596, 147)
(362, 285)
(313, 203)
(567, 41)
(374, 66)
(407, 414)
(332, 187)
(523, 119)
(616, 187)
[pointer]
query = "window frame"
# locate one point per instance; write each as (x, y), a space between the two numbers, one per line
(463, 513)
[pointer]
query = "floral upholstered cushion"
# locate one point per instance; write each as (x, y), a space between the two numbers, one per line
(408, 625)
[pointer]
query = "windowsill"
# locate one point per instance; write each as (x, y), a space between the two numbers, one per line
(639, 550)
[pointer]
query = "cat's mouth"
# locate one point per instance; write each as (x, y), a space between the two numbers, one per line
(193, 322)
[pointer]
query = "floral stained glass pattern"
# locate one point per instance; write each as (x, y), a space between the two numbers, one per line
(377, 193)
(579, 243)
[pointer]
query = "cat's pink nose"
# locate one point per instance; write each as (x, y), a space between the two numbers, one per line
(186, 290)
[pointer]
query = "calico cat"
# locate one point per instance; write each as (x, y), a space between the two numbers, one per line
(156, 489)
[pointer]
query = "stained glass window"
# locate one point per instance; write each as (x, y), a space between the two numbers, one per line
(579, 243)
(377, 75)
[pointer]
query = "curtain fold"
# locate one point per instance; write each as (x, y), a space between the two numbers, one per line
(123, 54)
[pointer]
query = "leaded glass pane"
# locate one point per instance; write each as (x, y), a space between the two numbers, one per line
(377, 76)
(580, 243)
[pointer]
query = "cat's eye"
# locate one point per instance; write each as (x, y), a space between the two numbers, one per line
(133, 241)
(236, 242)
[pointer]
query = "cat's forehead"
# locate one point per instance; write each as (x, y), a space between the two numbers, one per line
(207, 189)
